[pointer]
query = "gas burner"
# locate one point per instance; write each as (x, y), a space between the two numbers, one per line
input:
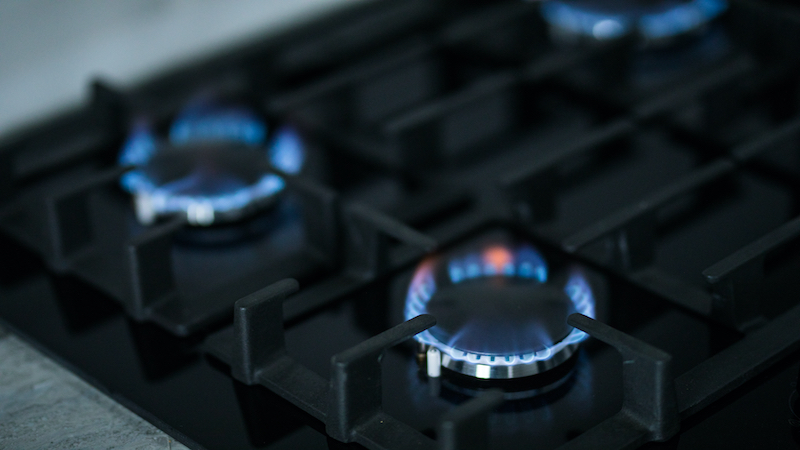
(499, 315)
(654, 21)
(213, 166)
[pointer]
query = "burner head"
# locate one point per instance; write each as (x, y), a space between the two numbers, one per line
(498, 315)
(652, 20)
(213, 168)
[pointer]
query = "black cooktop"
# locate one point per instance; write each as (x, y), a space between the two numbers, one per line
(433, 224)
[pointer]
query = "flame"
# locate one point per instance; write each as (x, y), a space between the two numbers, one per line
(421, 289)
(139, 147)
(659, 21)
(209, 123)
(287, 151)
(523, 262)
(497, 259)
(424, 273)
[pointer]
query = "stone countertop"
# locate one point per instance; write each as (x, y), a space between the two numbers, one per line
(43, 405)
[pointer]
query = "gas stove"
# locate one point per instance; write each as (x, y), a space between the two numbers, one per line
(433, 224)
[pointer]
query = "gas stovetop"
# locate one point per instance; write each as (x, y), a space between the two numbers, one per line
(433, 224)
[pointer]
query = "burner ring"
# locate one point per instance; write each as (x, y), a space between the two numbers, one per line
(202, 182)
(212, 168)
(501, 372)
(537, 340)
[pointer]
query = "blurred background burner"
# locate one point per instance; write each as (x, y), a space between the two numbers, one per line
(668, 39)
(500, 314)
(654, 21)
(216, 165)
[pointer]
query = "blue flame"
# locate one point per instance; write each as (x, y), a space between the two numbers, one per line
(669, 19)
(287, 151)
(582, 21)
(139, 147)
(205, 123)
(681, 18)
(525, 262)
(168, 198)
(578, 290)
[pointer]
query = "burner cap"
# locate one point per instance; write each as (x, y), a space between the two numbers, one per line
(653, 20)
(498, 316)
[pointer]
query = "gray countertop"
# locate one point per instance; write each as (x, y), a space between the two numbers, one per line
(43, 406)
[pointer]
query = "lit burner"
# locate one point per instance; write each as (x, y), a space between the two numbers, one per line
(213, 167)
(498, 313)
(653, 20)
